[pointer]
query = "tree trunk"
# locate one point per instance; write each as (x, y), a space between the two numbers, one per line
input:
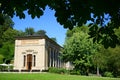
(98, 73)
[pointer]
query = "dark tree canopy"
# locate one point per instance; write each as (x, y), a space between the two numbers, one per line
(29, 31)
(70, 13)
(41, 32)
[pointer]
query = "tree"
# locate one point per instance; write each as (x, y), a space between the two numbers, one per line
(29, 31)
(7, 24)
(99, 59)
(7, 40)
(117, 32)
(7, 51)
(113, 61)
(9, 35)
(21, 33)
(7, 48)
(41, 32)
(70, 13)
(108, 60)
(78, 49)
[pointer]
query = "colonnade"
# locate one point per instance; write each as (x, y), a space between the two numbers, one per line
(53, 59)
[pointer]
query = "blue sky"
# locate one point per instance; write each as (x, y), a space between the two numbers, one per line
(46, 22)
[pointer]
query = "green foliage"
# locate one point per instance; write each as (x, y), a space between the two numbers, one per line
(78, 49)
(8, 23)
(7, 51)
(108, 60)
(9, 35)
(117, 32)
(29, 31)
(21, 33)
(1, 58)
(83, 29)
(104, 35)
(113, 61)
(99, 58)
(108, 74)
(75, 72)
(57, 70)
(1, 19)
(52, 70)
(70, 13)
(41, 32)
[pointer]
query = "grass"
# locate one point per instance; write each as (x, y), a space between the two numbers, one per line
(49, 76)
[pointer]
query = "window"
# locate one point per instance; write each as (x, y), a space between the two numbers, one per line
(24, 60)
(34, 61)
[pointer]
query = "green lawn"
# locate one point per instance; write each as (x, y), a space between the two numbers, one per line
(48, 76)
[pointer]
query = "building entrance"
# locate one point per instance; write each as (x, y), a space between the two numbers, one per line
(29, 61)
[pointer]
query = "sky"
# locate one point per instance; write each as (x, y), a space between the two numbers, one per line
(46, 22)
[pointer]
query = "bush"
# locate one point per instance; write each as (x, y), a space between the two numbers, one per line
(52, 70)
(57, 70)
(108, 74)
(75, 72)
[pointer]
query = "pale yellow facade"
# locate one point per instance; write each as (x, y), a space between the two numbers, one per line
(36, 53)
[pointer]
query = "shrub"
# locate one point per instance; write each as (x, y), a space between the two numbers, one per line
(108, 74)
(52, 70)
(75, 72)
(57, 70)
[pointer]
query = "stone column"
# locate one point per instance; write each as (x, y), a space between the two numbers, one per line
(53, 57)
(49, 57)
(56, 59)
(46, 58)
(59, 60)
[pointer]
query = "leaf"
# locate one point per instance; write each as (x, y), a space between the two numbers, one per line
(90, 24)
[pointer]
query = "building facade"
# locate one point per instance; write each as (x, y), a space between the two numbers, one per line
(36, 53)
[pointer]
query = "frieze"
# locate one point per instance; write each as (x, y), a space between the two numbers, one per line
(29, 42)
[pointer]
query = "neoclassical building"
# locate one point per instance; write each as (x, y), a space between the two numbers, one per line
(36, 53)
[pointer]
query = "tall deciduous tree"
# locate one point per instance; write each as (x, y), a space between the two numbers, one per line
(78, 49)
(108, 59)
(8, 40)
(7, 24)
